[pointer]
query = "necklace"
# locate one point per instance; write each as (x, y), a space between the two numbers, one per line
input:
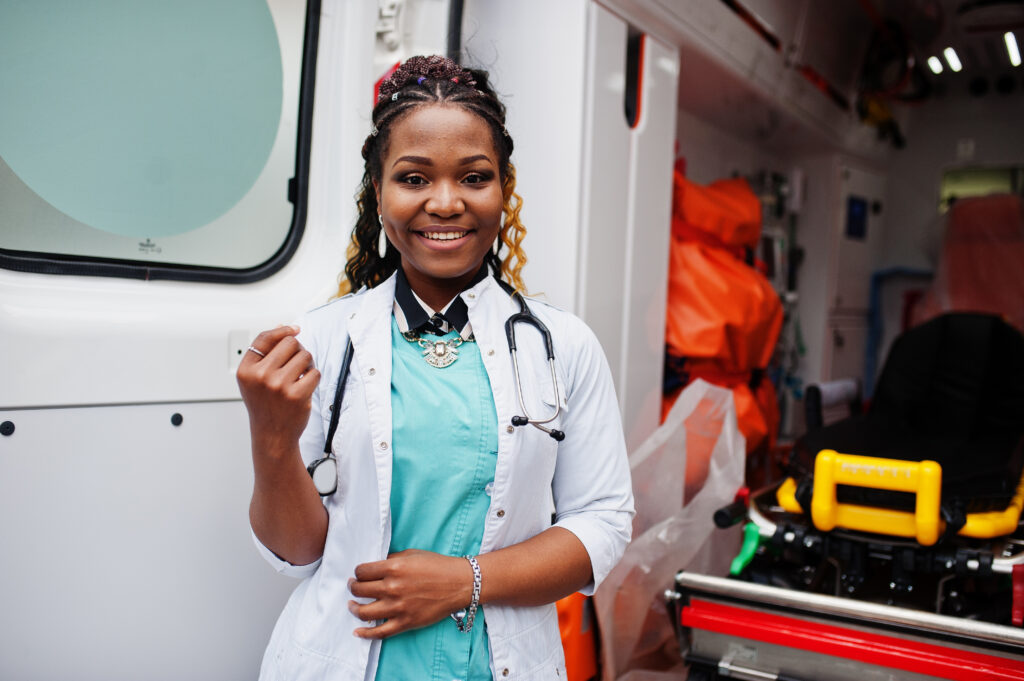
(439, 353)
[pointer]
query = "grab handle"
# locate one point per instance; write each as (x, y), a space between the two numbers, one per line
(923, 478)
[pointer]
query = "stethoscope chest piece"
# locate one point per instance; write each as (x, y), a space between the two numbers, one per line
(325, 475)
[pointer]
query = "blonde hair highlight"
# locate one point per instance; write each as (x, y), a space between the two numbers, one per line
(512, 232)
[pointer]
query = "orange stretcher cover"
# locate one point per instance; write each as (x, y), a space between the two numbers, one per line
(723, 315)
(979, 268)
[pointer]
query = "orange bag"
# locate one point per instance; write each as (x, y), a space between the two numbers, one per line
(726, 210)
(576, 624)
(723, 316)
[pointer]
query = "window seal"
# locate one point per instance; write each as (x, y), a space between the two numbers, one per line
(298, 186)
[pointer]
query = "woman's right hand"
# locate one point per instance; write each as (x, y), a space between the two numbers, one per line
(286, 512)
(277, 389)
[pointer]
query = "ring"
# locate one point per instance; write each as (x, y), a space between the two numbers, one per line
(252, 349)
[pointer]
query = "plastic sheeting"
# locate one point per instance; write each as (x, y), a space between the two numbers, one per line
(981, 261)
(637, 642)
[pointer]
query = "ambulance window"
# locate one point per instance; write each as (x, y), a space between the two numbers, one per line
(965, 182)
(155, 139)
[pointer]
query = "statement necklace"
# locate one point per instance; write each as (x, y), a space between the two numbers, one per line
(439, 353)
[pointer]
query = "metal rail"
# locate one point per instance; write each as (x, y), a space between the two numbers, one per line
(869, 612)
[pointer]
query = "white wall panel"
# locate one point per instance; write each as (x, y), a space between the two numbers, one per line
(126, 546)
(606, 171)
(648, 233)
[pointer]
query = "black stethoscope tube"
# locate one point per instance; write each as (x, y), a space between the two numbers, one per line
(525, 315)
(324, 470)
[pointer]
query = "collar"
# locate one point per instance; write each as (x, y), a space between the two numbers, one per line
(412, 314)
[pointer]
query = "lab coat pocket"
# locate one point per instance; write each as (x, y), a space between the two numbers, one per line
(547, 397)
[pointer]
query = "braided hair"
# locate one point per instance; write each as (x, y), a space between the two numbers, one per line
(417, 82)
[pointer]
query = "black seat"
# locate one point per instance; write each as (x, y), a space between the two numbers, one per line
(952, 391)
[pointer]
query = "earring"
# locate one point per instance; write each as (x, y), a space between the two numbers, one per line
(382, 240)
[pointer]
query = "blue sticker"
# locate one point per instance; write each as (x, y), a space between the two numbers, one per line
(856, 218)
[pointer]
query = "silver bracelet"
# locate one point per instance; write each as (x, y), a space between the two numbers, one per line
(464, 618)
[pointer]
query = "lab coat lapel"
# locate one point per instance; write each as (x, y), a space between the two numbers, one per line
(370, 331)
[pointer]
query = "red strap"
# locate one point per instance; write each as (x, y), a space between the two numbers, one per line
(931, 660)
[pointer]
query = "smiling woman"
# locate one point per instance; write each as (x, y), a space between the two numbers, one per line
(434, 554)
(440, 200)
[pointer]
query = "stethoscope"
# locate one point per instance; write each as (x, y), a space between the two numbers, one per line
(324, 470)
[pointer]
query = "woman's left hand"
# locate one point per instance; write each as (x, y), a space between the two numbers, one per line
(411, 589)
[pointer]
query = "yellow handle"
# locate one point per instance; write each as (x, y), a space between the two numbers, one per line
(923, 478)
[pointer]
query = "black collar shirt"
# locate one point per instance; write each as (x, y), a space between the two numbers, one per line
(414, 315)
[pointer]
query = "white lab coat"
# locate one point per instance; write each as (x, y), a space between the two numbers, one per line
(585, 478)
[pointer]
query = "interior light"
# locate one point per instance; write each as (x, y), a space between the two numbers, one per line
(954, 61)
(935, 65)
(1011, 47)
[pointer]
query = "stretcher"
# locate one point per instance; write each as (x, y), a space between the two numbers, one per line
(901, 560)
(733, 629)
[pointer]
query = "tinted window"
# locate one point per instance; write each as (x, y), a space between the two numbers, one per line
(152, 138)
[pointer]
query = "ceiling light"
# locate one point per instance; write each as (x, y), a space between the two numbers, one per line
(1011, 47)
(935, 65)
(954, 61)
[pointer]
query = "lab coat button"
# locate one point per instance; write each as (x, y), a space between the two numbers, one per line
(372, 371)
(509, 429)
(504, 672)
(491, 351)
(383, 445)
(472, 295)
(500, 513)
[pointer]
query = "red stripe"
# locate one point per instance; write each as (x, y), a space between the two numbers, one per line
(885, 651)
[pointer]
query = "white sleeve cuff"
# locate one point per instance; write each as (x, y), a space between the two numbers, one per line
(604, 539)
(283, 566)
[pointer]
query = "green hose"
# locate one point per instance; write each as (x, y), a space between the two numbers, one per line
(751, 540)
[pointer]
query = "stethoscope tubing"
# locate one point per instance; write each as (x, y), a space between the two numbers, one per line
(527, 316)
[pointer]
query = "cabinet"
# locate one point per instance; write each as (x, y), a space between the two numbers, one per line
(841, 231)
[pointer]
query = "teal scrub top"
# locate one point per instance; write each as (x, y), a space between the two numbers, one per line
(444, 452)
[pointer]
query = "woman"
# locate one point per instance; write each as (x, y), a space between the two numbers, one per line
(436, 556)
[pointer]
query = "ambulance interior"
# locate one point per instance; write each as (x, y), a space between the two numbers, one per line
(748, 201)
